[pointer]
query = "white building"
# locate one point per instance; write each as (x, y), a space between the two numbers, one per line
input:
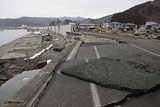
(151, 25)
(116, 25)
(106, 25)
(72, 24)
(130, 25)
(24, 26)
(87, 25)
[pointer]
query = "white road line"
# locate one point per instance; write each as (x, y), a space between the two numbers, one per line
(95, 48)
(87, 60)
(95, 96)
(145, 50)
(94, 93)
(93, 87)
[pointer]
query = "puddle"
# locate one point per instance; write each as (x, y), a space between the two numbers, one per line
(8, 89)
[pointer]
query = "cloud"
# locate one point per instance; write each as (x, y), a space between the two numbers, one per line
(56, 8)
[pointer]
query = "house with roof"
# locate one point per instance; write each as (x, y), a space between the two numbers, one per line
(151, 25)
(87, 25)
(106, 25)
(116, 25)
(130, 25)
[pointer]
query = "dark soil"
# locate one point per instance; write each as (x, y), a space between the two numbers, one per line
(10, 67)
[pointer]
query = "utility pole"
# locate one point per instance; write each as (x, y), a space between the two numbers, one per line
(55, 26)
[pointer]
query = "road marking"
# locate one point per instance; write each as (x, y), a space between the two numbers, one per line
(145, 50)
(94, 93)
(93, 87)
(97, 53)
(87, 60)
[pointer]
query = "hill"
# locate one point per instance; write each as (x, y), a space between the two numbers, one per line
(105, 19)
(34, 21)
(149, 11)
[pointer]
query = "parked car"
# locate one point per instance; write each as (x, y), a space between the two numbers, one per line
(77, 37)
(140, 32)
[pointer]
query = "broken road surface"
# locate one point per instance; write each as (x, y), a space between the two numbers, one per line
(105, 75)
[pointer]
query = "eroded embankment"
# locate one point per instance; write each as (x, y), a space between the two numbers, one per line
(13, 61)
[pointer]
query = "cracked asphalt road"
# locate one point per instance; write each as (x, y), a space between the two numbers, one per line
(67, 91)
(116, 73)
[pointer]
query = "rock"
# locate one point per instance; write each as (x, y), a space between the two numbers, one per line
(58, 47)
(3, 77)
(12, 67)
(2, 62)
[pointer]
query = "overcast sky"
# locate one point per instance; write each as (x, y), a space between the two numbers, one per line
(58, 8)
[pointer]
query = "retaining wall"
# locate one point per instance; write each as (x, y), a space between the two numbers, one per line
(62, 29)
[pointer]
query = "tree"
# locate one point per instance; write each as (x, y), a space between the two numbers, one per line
(67, 21)
(53, 23)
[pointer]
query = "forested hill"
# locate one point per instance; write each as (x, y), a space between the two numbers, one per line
(149, 11)
(35, 21)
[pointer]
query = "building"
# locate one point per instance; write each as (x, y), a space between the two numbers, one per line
(159, 27)
(87, 25)
(130, 25)
(24, 26)
(151, 25)
(106, 25)
(117, 25)
(73, 24)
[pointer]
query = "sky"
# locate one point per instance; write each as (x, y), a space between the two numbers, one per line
(60, 8)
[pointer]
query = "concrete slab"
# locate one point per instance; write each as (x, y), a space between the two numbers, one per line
(3, 77)
(13, 55)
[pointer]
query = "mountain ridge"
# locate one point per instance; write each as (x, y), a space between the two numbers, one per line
(35, 21)
(139, 14)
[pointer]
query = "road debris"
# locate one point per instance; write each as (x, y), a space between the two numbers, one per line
(38, 54)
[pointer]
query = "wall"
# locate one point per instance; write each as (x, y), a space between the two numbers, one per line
(62, 29)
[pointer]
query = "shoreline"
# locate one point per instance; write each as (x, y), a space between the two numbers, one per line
(8, 31)
(13, 53)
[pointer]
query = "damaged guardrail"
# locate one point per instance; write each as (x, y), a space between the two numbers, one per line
(40, 53)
